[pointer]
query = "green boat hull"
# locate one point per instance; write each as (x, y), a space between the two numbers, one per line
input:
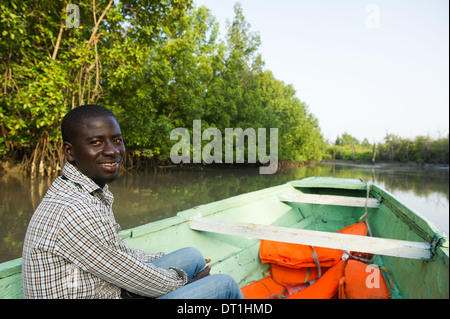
(238, 256)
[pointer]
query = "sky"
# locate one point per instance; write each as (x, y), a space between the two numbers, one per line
(367, 68)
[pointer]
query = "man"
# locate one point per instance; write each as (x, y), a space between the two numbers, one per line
(72, 247)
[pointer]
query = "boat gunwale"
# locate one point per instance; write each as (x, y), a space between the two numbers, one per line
(10, 268)
(418, 223)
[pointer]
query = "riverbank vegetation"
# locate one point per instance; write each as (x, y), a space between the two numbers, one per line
(158, 65)
(394, 149)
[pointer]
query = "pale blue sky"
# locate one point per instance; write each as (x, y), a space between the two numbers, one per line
(365, 81)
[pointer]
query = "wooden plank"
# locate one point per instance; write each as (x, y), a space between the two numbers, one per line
(330, 182)
(372, 245)
(330, 200)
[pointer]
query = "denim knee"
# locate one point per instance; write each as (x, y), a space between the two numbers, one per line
(231, 287)
(195, 254)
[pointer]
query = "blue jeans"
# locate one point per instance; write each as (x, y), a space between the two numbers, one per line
(191, 261)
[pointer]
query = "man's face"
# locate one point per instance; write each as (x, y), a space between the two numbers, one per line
(97, 149)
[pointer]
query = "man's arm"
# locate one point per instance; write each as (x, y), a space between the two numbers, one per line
(91, 243)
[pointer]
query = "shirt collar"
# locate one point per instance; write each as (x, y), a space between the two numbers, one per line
(72, 173)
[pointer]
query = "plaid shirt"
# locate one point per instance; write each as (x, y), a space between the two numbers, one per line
(72, 247)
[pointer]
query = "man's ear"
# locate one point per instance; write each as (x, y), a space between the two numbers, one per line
(68, 150)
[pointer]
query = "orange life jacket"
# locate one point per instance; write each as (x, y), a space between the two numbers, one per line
(324, 288)
(290, 276)
(300, 256)
(362, 281)
(292, 264)
(352, 280)
(262, 289)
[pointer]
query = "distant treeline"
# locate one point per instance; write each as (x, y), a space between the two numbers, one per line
(158, 65)
(421, 150)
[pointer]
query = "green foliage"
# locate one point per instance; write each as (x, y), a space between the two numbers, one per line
(157, 64)
(422, 150)
(346, 139)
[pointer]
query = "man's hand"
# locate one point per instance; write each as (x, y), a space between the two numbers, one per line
(201, 274)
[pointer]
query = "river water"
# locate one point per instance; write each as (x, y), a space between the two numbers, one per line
(144, 197)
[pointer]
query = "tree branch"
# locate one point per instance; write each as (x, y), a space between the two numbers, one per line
(98, 23)
(58, 41)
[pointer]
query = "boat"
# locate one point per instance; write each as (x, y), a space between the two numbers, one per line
(309, 212)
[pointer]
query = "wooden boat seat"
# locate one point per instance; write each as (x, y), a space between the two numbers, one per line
(363, 244)
(329, 200)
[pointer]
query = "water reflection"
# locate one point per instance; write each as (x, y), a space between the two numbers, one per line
(146, 197)
(19, 197)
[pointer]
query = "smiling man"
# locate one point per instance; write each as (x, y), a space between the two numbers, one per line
(72, 247)
(93, 143)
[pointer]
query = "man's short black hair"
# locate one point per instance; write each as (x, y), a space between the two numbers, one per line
(78, 115)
